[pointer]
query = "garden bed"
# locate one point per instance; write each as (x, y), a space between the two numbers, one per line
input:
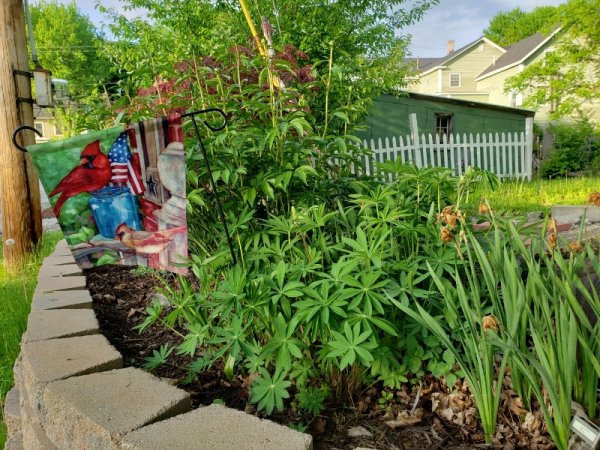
(121, 295)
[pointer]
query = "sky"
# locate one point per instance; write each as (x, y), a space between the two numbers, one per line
(460, 20)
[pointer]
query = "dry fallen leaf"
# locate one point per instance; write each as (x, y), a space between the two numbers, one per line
(359, 431)
(405, 418)
(319, 424)
(515, 405)
(531, 423)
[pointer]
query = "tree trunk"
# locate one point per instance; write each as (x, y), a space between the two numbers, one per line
(19, 188)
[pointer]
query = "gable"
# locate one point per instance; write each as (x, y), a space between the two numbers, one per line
(519, 53)
(432, 64)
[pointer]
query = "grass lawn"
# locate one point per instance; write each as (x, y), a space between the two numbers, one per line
(538, 195)
(16, 290)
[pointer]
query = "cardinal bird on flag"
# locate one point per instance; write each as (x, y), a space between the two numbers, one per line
(125, 167)
(92, 173)
(145, 241)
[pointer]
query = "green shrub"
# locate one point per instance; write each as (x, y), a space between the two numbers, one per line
(576, 147)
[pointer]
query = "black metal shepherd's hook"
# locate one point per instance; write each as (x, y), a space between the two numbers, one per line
(18, 130)
(193, 115)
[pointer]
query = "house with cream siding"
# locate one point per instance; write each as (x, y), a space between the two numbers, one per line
(478, 71)
(46, 125)
(454, 75)
(511, 63)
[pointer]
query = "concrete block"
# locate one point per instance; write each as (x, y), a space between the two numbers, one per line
(60, 323)
(94, 411)
(75, 299)
(54, 284)
(12, 411)
(35, 438)
(62, 249)
(17, 371)
(47, 271)
(573, 214)
(14, 442)
(62, 252)
(53, 260)
(57, 359)
(61, 244)
(216, 427)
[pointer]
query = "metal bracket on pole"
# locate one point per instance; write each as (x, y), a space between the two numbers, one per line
(193, 115)
(17, 131)
(25, 73)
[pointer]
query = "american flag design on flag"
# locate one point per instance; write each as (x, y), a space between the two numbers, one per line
(121, 160)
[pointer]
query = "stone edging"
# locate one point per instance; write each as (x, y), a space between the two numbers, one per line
(72, 392)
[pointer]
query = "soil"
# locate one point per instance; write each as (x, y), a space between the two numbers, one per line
(121, 296)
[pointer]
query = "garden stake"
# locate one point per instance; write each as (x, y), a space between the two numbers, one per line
(193, 115)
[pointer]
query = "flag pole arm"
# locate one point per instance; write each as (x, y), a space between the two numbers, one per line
(193, 115)
(17, 131)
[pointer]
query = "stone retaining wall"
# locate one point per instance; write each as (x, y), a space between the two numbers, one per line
(72, 392)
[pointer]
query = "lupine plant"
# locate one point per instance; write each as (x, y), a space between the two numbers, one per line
(342, 281)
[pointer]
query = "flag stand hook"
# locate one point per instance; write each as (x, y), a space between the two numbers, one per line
(17, 131)
(192, 115)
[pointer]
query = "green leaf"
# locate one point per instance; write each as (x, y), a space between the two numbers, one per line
(269, 392)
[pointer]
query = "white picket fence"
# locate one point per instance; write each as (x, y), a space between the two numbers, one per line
(508, 155)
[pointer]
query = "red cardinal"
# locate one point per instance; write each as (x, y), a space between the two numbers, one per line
(92, 173)
(144, 241)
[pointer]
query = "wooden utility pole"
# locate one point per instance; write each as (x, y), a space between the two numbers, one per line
(19, 185)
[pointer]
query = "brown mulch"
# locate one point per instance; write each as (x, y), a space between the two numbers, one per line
(121, 295)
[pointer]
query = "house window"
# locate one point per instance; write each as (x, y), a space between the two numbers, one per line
(443, 124)
(516, 99)
(40, 127)
(57, 130)
(455, 80)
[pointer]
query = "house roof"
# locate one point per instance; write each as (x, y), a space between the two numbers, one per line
(471, 103)
(425, 65)
(518, 52)
(41, 113)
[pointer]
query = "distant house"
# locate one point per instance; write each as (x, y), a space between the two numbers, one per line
(440, 115)
(516, 58)
(45, 123)
(479, 70)
(455, 74)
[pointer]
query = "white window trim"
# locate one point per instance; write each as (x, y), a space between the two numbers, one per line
(515, 99)
(450, 80)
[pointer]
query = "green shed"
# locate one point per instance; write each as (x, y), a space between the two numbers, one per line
(440, 115)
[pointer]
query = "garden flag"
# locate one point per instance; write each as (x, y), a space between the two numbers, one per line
(119, 194)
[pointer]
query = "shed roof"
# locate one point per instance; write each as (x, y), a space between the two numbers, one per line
(471, 103)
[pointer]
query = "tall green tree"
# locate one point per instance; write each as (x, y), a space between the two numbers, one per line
(568, 77)
(360, 38)
(68, 44)
(366, 27)
(507, 28)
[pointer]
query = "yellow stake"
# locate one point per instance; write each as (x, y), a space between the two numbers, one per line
(275, 79)
(261, 49)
